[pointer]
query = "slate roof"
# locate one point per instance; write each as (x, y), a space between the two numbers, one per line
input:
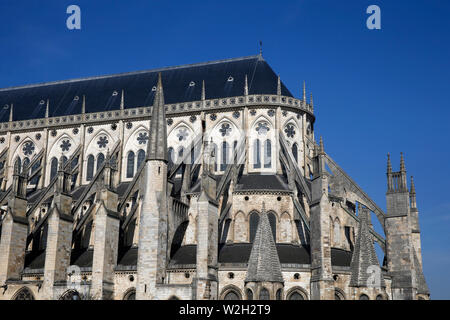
(264, 263)
(261, 182)
(364, 255)
(138, 88)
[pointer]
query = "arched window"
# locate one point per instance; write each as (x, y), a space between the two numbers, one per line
(100, 159)
(257, 154)
(295, 152)
(140, 157)
(338, 295)
(267, 154)
(234, 150)
(264, 294)
(24, 294)
(170, 156)
(231, 295)
(70, 295)
(215, 156)
(225, 156)
(254, 220)
(90, 167)
(26, 162)
(130, 164)
(249, 294)
(296, 295)
(130, 295)
(279, 294)
(64, 158)
(379, 297)
(53, 167)
(180, 155)
(363, 297)
(174, 298)
(18, 165)
(35, 166)
(337, 232)
(273, 225)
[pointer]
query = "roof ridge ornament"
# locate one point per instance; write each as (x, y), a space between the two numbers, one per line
(246, 86)
(11, 112)
(279, 86)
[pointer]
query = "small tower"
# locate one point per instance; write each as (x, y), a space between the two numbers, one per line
(264, 277)
(153, 224)
(322, 284)
(399, 245)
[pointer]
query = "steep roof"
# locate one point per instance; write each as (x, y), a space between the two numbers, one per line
(138, 87)
(264, 263)
(422, 287)
(364, 256)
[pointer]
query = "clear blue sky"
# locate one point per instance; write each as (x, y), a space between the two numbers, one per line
(375, 91)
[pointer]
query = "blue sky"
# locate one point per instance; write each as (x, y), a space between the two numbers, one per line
(375, 91)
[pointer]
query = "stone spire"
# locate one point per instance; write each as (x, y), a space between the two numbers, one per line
(122, 100)
(402, 162)
(412, 195)
(304, 92)
(364, 257)
(264, 263)
(311, 101)
(11, 112)
(279, 86)
(246, 86)
(157, 142)
(389, 166)
(83, 105)
(321, 147)
(203, 90)
(47, 107)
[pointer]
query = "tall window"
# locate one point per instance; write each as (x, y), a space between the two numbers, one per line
(257, 154)
(18, 165)
(215, 156)
(273, 225)
(53, 167)
(363, 297)
(170, 156)
(225, 156)
(90, 168)
(26, 162)
(295, 152)
(140, 157)
(249, 294)
(296, 296)
(100, 159)
(254, 220)
(130, 164)
(267, 154)
(264, 294)
(231, 295)
(279, 294)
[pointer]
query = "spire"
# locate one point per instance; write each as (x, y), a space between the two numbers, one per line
(311, 101)
(364, 256)
(11, 112)
(203, 90)
(402, 162)
(157, 142)
(83, 105)
(264, 263)
(304, 91)
(246, 86)
(389, 166)
(279, 86)
(122, 100)
(47, 108)
(413, 187)
(321, 148)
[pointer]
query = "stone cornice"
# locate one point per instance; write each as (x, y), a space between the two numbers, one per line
(172, 110)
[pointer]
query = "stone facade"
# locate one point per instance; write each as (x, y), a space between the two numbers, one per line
(207, 194)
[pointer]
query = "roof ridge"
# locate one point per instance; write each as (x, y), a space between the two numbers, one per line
(121, 74)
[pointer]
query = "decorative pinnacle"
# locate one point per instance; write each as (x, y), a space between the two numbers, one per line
(402, 162)
(304, 92)
(389, 166)
(246, 86)
(413, 187)
(279, 86)
(203, 90)
(83, 105)
(47, 107)
(11, 112)
(122, 100)
(321, 148)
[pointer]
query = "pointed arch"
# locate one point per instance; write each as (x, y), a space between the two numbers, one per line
(267, 154)
(273, 224)
(130, 164)
(23, 293)
(89, 168)
(18, 165)
(253, 225)
(240, 233)
(257, 154)
(140, 158)
(295, 151)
